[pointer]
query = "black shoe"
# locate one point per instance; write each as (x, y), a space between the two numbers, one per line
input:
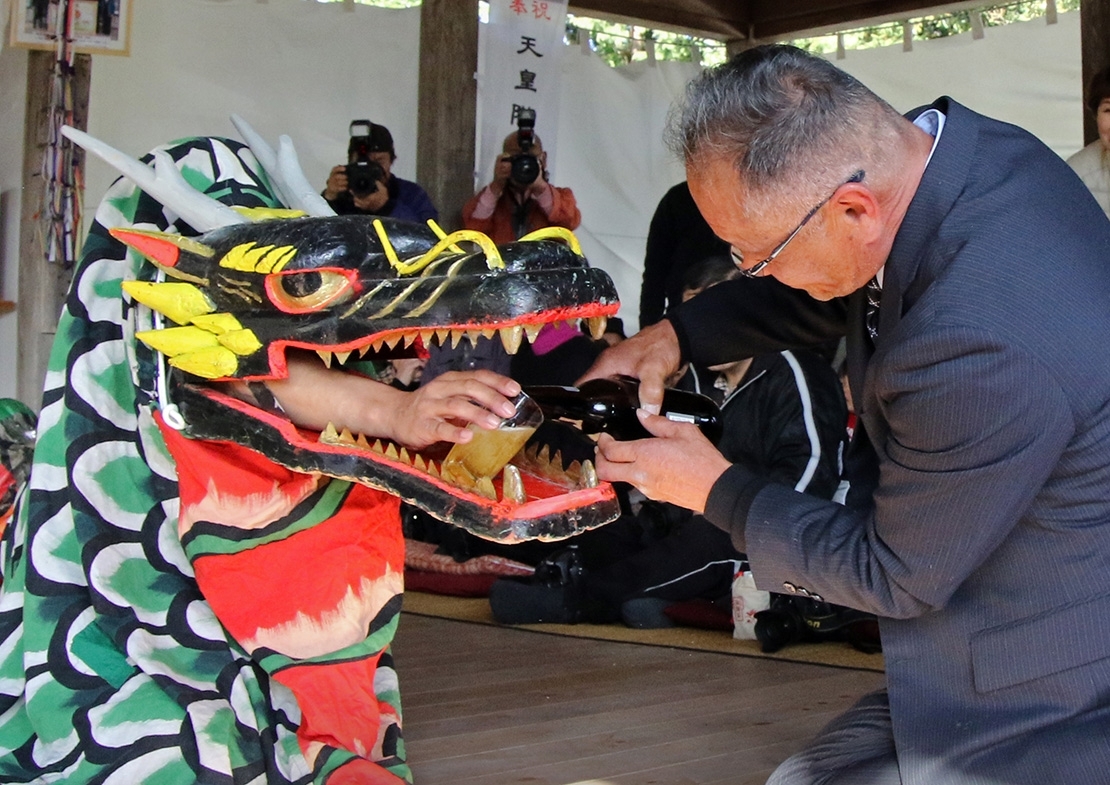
(552, 595)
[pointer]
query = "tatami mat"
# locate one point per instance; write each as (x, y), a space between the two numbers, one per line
(477, 610)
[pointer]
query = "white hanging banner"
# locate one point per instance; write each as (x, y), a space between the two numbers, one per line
(521, 68)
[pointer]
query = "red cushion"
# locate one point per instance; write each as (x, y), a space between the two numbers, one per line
(699, 613)
(447, 583)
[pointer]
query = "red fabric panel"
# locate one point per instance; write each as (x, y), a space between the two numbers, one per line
(699, 613)
(447, 583)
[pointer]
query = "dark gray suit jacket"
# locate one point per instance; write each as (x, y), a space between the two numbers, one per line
(986, 552)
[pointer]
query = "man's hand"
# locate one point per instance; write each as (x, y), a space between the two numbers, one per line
(678, 466)
(440, 410)
(537, 189)
(337, 183)
(502, 168)
(372, 202)
(651, 355)
(313, 396)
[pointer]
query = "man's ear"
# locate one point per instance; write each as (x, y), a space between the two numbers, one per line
(857, 210)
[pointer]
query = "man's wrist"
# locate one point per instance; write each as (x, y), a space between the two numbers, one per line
(681, 338)
(730, 499)
(545, 197)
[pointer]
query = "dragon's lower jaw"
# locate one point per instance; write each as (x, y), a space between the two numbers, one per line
(534, 497)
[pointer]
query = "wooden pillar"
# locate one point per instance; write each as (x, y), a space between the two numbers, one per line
(1094, 24)
(447, 111)
(42, 285)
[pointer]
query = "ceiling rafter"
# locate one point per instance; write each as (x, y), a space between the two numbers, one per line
(761, 20)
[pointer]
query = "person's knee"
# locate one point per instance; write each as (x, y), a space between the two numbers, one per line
(856, 748)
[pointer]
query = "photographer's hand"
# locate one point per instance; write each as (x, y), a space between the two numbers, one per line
(501, 171)
(337, 183)
(540, 190)
(372, 202)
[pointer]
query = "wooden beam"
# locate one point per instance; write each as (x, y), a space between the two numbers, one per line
(762, 20)
(1094, 43)
(721, 19)
(447, 110)
(42, 285)
(782, 19)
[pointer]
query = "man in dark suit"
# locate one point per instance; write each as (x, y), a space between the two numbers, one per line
(983, 541)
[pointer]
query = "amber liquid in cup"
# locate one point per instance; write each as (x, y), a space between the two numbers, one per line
(487, 453)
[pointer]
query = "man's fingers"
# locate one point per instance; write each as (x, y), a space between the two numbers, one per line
(651, 394)
(468, 399)
(656, 424)
(503, 384)
(617, 451)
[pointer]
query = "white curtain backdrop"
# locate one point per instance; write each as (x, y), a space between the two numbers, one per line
(519, 42)
(306, 69)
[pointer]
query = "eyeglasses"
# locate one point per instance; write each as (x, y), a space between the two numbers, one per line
(757, 268)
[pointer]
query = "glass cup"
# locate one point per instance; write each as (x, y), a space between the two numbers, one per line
(488, 452)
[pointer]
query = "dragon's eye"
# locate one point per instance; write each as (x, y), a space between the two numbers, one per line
(305, 291)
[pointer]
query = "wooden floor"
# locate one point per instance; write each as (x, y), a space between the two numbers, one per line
(498, 706)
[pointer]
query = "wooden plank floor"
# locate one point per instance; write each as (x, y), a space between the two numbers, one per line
(500, 706)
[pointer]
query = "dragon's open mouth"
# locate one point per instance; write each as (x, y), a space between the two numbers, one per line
(258, 283)
(548, 490)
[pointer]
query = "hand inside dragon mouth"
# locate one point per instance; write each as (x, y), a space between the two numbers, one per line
(347, 289)
(257, 288)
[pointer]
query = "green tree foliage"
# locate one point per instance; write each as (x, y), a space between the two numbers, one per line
(620, 44)
(938, 26)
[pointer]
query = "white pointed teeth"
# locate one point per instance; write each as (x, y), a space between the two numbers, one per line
(337, 358)
(531, 331)
(596, 326)
(512, 485)
(588, 477)
(536, 460)
(511, 337)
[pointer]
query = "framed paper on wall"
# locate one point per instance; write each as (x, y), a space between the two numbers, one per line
(97, 26)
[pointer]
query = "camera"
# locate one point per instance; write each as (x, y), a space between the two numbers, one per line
(790, 619)
(363, 174)
(524, 166)
(553, 594)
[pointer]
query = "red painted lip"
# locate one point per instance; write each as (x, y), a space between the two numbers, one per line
(547, 497)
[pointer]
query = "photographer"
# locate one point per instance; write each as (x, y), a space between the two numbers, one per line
(366, 185)
(520, 199)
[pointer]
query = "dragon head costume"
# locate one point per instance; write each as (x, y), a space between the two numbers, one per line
(260, 283)
(194, 588)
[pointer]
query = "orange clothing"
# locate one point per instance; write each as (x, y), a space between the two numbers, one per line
(510, 221)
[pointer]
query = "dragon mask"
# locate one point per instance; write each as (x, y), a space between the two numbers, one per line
(231, 302)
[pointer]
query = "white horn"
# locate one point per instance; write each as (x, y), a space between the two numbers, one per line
(264, 153)
(302, 196)
(165, 183)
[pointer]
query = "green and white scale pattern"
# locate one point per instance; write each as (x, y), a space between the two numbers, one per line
(113, 668)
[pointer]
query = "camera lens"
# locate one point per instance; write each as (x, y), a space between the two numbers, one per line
(775, 630)
(363, 177)
(524, 169)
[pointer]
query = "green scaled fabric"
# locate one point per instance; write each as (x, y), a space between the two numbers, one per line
(113, 666)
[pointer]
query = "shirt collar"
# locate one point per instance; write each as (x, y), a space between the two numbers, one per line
(931, 121)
